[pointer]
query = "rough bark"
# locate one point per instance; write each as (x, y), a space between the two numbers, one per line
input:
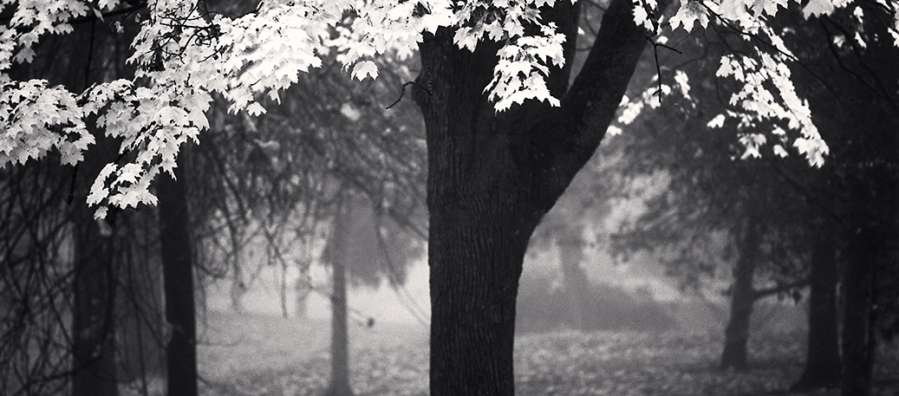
(177, 266)
(822, 362)
(340, 367)
(736, 334)
(491, 177)
(93, 351)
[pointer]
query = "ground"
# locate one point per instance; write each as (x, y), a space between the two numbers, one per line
(267, 355)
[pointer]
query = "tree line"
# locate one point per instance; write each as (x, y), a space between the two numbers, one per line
(492, 176)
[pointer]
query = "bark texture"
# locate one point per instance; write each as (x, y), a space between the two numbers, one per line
(491, 177)
(177, 266)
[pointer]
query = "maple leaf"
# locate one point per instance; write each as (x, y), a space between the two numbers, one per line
(689, 14)
(365, 69)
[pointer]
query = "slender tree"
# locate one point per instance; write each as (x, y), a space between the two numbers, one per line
(180, 311)
(339, 257)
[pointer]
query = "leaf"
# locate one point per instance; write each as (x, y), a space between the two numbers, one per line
(255, 109)
(716, 122)
(365, 69)
(688, 15)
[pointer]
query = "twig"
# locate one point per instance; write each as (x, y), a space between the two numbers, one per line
(403, 93)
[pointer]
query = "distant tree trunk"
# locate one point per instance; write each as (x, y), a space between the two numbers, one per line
(858, 332)
(142, 355)
(93, 327)
(571, 254)
(736, 334)
(822, 362)
(302, 294)
(177, 266)
(283, 291)
(93, 318)
(338, 255)
(93, 352)
(237, 289)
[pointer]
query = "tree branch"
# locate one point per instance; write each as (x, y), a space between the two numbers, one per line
(566, 140)
(762, 293)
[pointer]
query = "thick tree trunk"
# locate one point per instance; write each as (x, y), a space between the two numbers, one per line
(93, 352)
(177, 267)
(736, 334)
(858, 334)
(340, 358)
(822, 362)
(492, 176)
(475, 267)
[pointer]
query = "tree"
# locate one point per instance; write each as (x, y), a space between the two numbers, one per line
(340, 258)
(491, 176)
(328, 154)
(180, 311)
(579, 215)
(822, 358)
(853, 91)
(711, 212)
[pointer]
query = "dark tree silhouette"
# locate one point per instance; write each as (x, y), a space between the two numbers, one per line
(822, 358)
(491, 177)
(178, 270)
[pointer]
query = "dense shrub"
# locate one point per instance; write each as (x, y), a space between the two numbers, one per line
(542, 307)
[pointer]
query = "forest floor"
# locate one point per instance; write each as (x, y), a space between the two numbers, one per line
(265, 355)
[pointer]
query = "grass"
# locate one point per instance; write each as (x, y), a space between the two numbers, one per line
(265, 355)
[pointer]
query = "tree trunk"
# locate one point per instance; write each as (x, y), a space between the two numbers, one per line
(736, 334)
(858, 333)
(141, 355)
(340, 367)
(475, 267)
(571, 254)
(93, 324)
(93, 332)
(181, 348)
(302, 289)
(492, 176)
(822, 362)
(238, 288)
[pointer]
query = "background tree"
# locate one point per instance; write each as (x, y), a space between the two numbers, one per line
(714, 189)
(328, 154)
(829, 191)
(853, 91)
